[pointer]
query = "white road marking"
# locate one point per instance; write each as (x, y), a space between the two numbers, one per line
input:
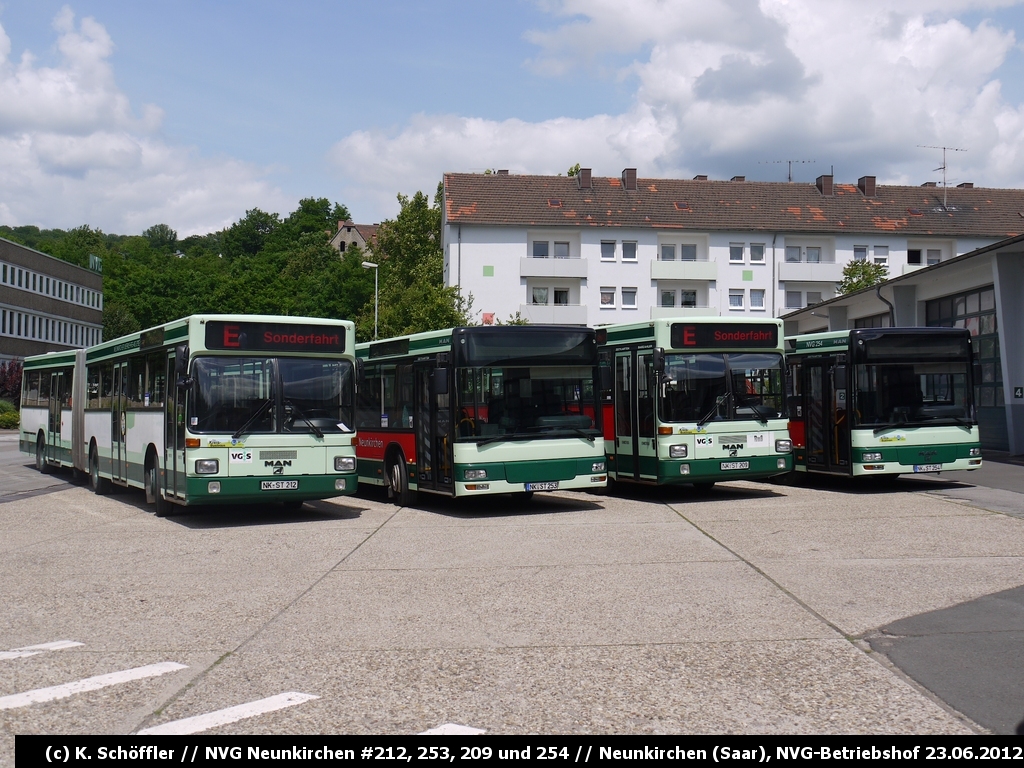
(52, 693)
(224, 716)
(452, 729)
(32, 650)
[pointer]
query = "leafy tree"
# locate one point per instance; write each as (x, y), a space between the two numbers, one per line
(516, 319)
(77, 244)
(118, 321)
(161, 237)
(861, 274)
(10, 381)
(573, 170)
(248, 235)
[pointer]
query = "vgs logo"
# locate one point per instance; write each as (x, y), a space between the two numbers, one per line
(236, 456)
(705, 440)
(278, 465)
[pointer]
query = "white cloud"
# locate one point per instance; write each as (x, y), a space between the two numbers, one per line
(73, 151)
(723, 84)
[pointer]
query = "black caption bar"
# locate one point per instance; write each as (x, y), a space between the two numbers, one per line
(370, 751)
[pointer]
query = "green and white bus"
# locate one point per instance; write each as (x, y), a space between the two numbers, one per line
(883, 401)
(481, 410)
(203, 410)
(694, 400)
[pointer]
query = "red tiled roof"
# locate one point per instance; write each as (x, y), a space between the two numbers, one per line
(500, 199)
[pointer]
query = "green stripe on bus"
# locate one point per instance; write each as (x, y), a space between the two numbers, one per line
(631, 334)
(50, 361)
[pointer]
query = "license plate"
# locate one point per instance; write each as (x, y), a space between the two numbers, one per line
(735, 465)
(542, 486)
(279, 485)
(927, 467)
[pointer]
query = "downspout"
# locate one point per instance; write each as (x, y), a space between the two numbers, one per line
(459, 275)
(775, 287)
(892, 309)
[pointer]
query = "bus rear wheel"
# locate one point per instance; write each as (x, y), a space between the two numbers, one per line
(41, 464)
(100, 485)
(398, 484)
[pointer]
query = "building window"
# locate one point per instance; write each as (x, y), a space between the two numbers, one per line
(688, 252)
(881, 254)
(540, 295)
(813, 297)
(757, 253)
(735, 252)
(794, 299)
(813, 255)
(607, 250)
(976, 311)
(629, 298)
(540, 249)
(607, 297)
(668, 298)
(561, 250)
(736, 298)
(913, 257)
(934, 256)
(668, 253)
(688, 298)
(628, 251)
(561, 297)
(792, 253)
(757, 298)
(873, 321)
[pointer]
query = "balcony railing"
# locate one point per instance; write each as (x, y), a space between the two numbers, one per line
(530, 267)
(684, 270)
(660, 313)
(554, 314)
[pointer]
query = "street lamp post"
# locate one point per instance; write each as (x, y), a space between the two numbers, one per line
(376, 293)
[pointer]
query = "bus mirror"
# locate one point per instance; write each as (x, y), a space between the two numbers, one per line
(839, 377)
(360, 373)
(658, 359)
(181, 377)
(604, 373)
(439, 381)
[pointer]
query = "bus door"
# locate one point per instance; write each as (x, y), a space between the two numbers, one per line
(627, 459)
(646, 453)
(434, 454)
(119, 424)
(174, 434)
(827, 424)
(53, 422)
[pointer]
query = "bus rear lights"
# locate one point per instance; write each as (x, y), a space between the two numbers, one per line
(478, 487)
(597, 466)
(191, 442)
(875, 467)
(783, 446)
(780, 463)
(684, 469)
(339, 484)
(207, 466)
(871, 457)
(344, 463)
(678, 451)
(476, 474)
(213, 487)
(975, 452)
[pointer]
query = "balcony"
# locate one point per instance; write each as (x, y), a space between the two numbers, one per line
(810, 272)
(552, 267)
(684, 270)
(554, 314)
(908, 268)
(664, 313)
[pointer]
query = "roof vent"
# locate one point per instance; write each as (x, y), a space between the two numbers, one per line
(629, 179)
(866, 184)
(738, 178)
(503, 171)
(583, 180)
(682, 206)
(700, 177)
(554, 202)
(966, 185)
(824, 184)
(930, 184)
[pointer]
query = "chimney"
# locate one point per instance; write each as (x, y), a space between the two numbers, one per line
(629, 179)
(824, 184)
(583, 179)
(738, 178)
(930, 184)
(866, 184)
(503, 171)
(965, 185)
(700, 177)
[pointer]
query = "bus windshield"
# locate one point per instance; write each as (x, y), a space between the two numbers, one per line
(534, 401)
(912, 392)
(271, 395)
(714, 386)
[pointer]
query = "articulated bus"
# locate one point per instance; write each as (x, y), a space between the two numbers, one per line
(206, 409)
(694, 401)
(883, 401)
(483, 410)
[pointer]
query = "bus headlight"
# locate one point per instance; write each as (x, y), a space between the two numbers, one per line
(213, 487)
(476, 474)
(339, 485)
(975, 452)
(207, 466)
(684, 469)
(871, 457)
(783, 446)
(678, 451)
(344, 463)
(597, 466)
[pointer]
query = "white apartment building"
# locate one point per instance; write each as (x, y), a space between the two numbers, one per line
(590, 250)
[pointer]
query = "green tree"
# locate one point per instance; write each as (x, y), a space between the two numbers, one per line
(248, 235)
(573, 170)
(861, 274)
(161, 237)
(118, 321)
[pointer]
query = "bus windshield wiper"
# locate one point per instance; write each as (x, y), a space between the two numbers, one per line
(252, 419)
(301, 415)
(718, 402)
(741, 400)
(895, 420)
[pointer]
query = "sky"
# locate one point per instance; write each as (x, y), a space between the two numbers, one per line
(121, 115)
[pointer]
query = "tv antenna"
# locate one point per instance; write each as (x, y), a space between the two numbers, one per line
(789, 174)
(943, 166)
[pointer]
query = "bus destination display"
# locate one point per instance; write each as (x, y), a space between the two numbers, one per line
(274, 337)
(724, 335)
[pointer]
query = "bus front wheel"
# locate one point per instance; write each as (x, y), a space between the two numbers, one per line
(398, 484)
(41, 464)
(163, 507)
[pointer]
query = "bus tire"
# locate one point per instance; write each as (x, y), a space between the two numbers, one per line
(162, 507)
(100, 485)
(41, 464)
(398, 483)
